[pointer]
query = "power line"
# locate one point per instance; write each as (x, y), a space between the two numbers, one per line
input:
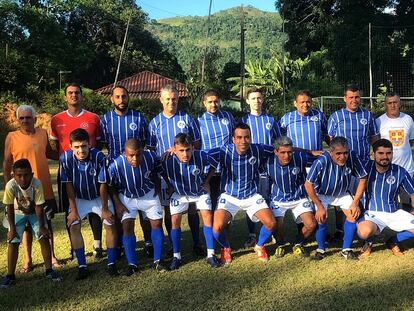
(162, 10)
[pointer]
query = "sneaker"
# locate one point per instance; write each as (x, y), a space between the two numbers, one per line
(261, 253)
(394, 248)
(175, 263)
(8, 281)
(225, 256)
(319, 255)
(83, 273)
(98, 253)
(159, 267)
(213, 262)
(349, 255)
(199, 251)
(149, 250)
(112, 270)
(131, 270)
(54, 276)
(250, 242)
(300, 250)
(366, 249)
(280, 251)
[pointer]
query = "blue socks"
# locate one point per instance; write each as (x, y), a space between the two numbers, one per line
(129, 248)
(176, 240)
(403, 235)
(263, 236)
(80, 256)
(320, 235)
(349, 233)
(221, 238)
(157, 237)
(208, 235)
(111, 252)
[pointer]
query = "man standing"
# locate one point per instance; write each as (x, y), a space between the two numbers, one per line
(62, 125)
(327, 184)
(384, 181)
(162, 130)
(264, 130)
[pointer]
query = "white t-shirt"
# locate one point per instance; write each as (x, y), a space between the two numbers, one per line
(399, 131)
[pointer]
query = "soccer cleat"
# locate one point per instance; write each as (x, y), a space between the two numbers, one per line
(159, 267)
(280, 252)
(261, 253)
(319, 255)
(8, 281)
(394, 248)
(349, 255)
(112, 270)
(213, 262)
(98, 253)
(54, 276)
(225, 258)
(366, 249)
(149, 250)
(83, 273)
(131, 270)
(199, 251)
(175, 263)
(250, 242)
(300, 250)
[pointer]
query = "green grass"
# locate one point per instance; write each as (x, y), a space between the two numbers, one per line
(381, 282)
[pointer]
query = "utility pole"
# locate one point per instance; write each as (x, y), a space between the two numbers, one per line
(122, 49)
(206, 43)
(242, 72)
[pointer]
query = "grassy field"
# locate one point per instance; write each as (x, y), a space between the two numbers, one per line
(381, 282)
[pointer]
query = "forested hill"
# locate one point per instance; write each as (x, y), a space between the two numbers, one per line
(185, 37)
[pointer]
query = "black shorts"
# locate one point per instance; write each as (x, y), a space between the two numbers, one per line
(63, 196)
(50, 208)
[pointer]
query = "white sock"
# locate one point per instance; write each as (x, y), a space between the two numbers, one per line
(210, 253)
(177, 255)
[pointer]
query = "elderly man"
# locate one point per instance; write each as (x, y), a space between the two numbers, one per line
(32, 143)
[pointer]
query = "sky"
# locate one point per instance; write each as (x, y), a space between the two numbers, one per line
(158, 9)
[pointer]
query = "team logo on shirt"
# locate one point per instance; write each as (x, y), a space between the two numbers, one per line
(295, 170)
(133, 126)
(268, 125)
(347, 171)
(252, 160)
(314, 118)
(363, 121)
(260, 201)
(92, 171)
(397, 137)
(84, 125)
(390, 180)
(196, 171)
(225, 121)
(181, 124)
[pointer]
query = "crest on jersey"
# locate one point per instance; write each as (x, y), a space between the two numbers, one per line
(133, 126)
(314, 118)
(260, 201)
(225, 121)
(84, 125)
(196, 171)
(252, 160)
(363, 121)
(295, 170)
(92, 171)
(390, 180)
(347, 171)
(268, 125)
(397, 137)
(181, 124)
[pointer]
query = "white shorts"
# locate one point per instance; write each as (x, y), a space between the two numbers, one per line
(251, 205)
(148, 204)
(85, 207)
(343, 201)
(297, 207)
(165, 196)
(398, 221)
(179, 203)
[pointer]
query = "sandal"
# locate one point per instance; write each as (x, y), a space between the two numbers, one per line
(57, 264)
(27, 269)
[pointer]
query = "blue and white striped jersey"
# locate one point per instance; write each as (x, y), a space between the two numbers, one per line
(357, 127)
(85, 176)
(133, 182)
(240, 173)
(116, 130)
(162, 130)
(331, 179)
(216, 129)
(264, 128)
(288, 180)
(382, 189)
(187, 178)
